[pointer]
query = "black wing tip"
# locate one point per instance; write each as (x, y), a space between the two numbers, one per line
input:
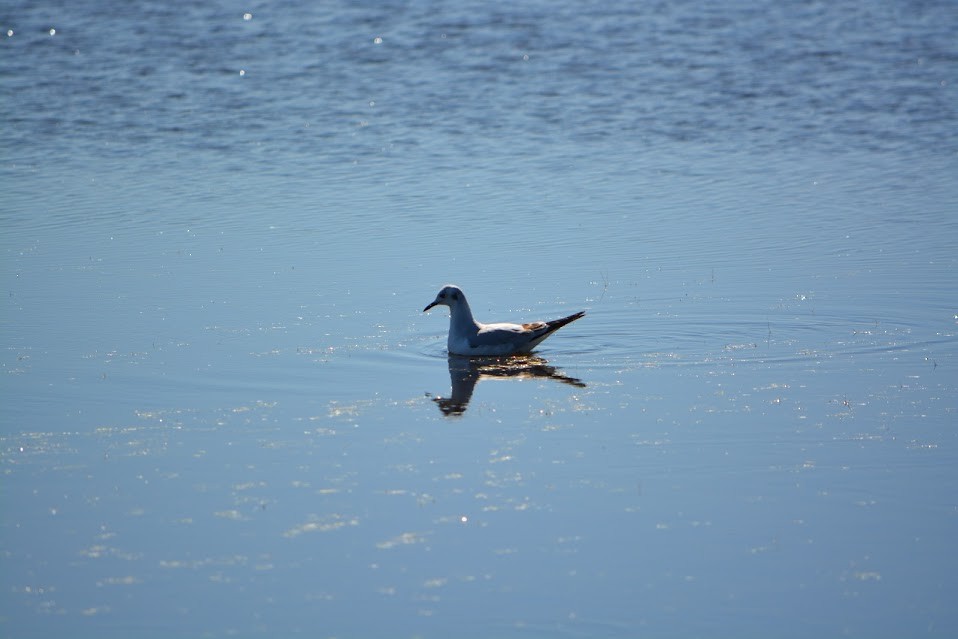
(555, 325)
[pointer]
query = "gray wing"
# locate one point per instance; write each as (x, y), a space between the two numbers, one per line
(515, 335)
(519, 336)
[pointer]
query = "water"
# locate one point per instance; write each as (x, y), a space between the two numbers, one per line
(224, 413)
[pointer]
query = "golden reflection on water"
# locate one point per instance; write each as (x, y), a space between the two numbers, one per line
(466, 372)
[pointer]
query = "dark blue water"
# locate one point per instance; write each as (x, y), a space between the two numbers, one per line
(224, 414)
(463, 83)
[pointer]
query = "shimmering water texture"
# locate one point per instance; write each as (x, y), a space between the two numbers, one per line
(224, 413)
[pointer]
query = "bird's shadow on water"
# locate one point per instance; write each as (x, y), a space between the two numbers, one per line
(465, 373)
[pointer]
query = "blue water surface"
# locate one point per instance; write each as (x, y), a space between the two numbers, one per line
(224, 413)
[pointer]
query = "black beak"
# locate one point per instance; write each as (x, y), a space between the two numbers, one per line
(428, 307)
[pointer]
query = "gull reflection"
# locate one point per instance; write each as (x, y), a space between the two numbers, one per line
(465, 372)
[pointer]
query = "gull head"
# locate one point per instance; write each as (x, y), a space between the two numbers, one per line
(450, 296)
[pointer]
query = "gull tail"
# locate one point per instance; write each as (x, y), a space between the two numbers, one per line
(555, 325)
(548, 328)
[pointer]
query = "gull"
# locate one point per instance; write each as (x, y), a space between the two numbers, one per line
(469, 337)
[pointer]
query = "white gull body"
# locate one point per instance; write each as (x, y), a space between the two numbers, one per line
(471, 338)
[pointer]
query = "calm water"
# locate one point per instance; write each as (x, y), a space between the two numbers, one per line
(224, 414)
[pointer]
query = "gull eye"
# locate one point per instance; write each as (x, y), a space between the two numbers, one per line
(442, 296)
